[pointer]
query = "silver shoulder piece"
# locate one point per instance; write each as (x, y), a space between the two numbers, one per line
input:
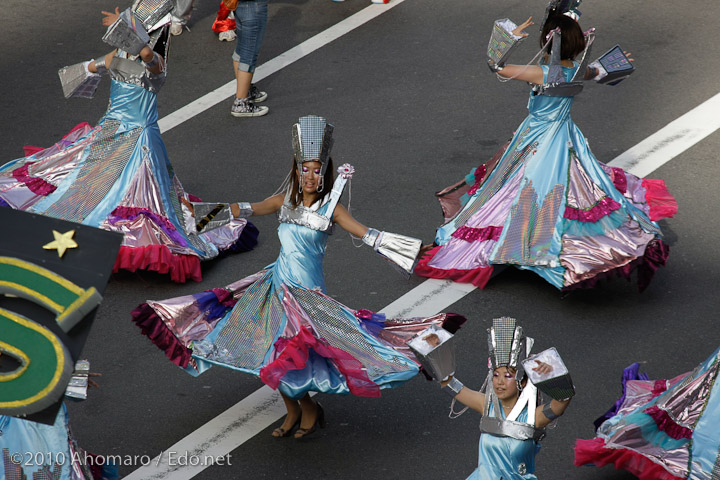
(399, 250)
(134, 72)
(77, 81)
(304, 216)
(127, 33)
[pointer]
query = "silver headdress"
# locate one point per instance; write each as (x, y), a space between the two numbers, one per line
(564, 7)
(507, 345)
(312, 141)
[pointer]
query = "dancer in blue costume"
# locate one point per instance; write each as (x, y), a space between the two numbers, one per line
(544, 203)
(117, 175)
(512, 423)
(278, 323)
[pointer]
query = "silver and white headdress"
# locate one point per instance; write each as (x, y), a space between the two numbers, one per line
(312, 141)
(507, 345)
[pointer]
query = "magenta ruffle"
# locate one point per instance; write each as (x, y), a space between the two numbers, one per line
(604, 207)
(660, 386)
(667, 424)
(656, 255)
(295, 354)
(595, 452)
(130, 213)
(31, 150)
(477, 276)
(36, 185)
(479, 175)
(159, 258)
(224, 297)
(470, 234)
(658, 197)
(155, 329)
(619, 179)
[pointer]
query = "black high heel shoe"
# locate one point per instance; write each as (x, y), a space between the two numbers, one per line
(319, 422)
(281, 432)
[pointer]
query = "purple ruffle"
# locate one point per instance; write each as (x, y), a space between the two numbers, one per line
(629, 373)
(619, 179)
(470, 234)
(36, 185)
(246, 241)
(604, 207)
(131, 213)
(667, 424)
(3, 203)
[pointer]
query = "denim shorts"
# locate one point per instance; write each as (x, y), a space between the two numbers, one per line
(250, 23)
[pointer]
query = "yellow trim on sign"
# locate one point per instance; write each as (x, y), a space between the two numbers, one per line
(15, 352)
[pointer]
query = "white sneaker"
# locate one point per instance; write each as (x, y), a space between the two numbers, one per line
(227, 36)
(176, 29)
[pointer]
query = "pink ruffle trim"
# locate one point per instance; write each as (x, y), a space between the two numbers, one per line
(295, 354)
(595, 452)
(659, 387)
(477, 276)
(36, 185)
(667, 424)
(658, 197)
(31, 150)
(130, 213)
(470, 234)
(159, 258)
(155, 329)
(604, 207)
(479, 175)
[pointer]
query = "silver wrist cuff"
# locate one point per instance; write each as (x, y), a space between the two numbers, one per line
(547, 411)
(100, 66)
(453, 387)
(370, 237)
(246, 210)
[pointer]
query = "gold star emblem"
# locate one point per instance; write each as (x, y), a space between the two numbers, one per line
(62, 242)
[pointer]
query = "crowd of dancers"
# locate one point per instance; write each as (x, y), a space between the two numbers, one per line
(543, 203)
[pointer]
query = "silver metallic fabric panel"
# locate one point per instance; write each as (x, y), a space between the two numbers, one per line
(333, 324)
(400, 250)
(109, 154)
(251, 329)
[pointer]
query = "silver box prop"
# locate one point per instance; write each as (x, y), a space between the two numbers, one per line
(557, 384)
(151, 12)
(616, 64)
(502, 43)
(76, 81)
(127, 33)
(433, 348)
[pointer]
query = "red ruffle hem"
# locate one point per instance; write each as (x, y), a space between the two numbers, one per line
(159, 258)
(155, 329)
(295, 354)
(658, 197)
(478, 276)
(596, 453)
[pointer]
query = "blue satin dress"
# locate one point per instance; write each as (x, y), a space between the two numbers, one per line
(545, 204)
(278, 324)
(504, 458)
(117, 176)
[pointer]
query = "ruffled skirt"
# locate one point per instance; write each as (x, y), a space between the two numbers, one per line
(294, 339)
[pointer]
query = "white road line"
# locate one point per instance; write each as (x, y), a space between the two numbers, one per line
(669, 142)
(276, 64)
(256, 412)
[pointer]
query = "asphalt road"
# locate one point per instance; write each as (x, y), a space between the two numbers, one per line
(414, 109)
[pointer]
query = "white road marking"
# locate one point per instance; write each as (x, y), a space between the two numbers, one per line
(276, 64)
(256, 412)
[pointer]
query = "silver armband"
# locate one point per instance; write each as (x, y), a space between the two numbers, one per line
(246, 210)
(155, 60)
(453, 387)
(548, 412)
(370, 237)
(100, 66)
